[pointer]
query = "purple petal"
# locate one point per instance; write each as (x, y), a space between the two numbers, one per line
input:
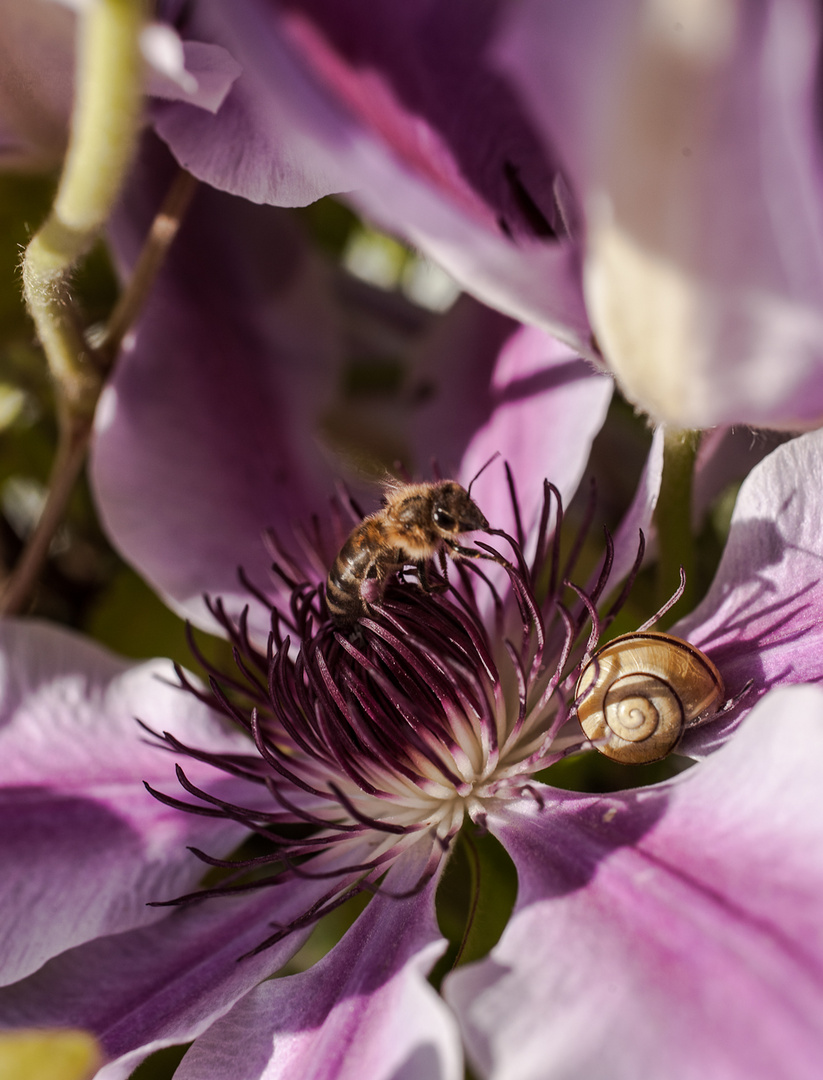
(275, 139)
(84, 846)
(208, 432)
(162, 984)
(167, 983)
(522, 394)
(191, 71)
(673, 931)
(693, 141)
(365, 1010)
(449, 394)
(547, 407)
(762, 619)
(332, 103)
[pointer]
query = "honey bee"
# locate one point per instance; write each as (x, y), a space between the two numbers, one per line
(416, 523)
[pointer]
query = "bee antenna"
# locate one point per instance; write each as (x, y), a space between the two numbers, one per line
(482, 469)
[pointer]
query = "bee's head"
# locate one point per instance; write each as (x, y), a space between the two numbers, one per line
(453, 511)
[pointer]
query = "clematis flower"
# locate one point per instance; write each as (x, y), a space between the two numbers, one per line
(659, 904)
(697, 878)
(645, 173)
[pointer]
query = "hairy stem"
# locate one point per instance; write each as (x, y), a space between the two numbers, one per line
(104, 130)
(105, 124)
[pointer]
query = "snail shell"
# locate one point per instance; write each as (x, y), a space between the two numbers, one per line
(637, 694)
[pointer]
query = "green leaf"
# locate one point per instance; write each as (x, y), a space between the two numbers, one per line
(475, 899)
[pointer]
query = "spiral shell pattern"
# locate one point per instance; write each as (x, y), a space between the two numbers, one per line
(637, 694)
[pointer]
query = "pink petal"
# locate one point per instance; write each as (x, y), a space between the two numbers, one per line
(509, 390)
(673, 931)
(84, 845)
(762, 617)
(192, 71)
(365, 1010)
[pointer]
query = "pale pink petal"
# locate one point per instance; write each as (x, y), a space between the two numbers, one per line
(162, 984)
(671, 931)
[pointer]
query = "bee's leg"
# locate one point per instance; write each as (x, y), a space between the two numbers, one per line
(459, 552)
(374, 581)
(444, 564)
(426, 583)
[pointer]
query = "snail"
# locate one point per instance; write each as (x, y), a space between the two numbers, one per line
(637, 694)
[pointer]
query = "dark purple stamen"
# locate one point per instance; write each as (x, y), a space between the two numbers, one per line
(353, 734)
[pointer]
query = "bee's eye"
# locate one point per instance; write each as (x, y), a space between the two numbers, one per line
(443, 520)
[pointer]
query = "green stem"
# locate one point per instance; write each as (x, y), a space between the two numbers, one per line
(105, 125)
(673, 520)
